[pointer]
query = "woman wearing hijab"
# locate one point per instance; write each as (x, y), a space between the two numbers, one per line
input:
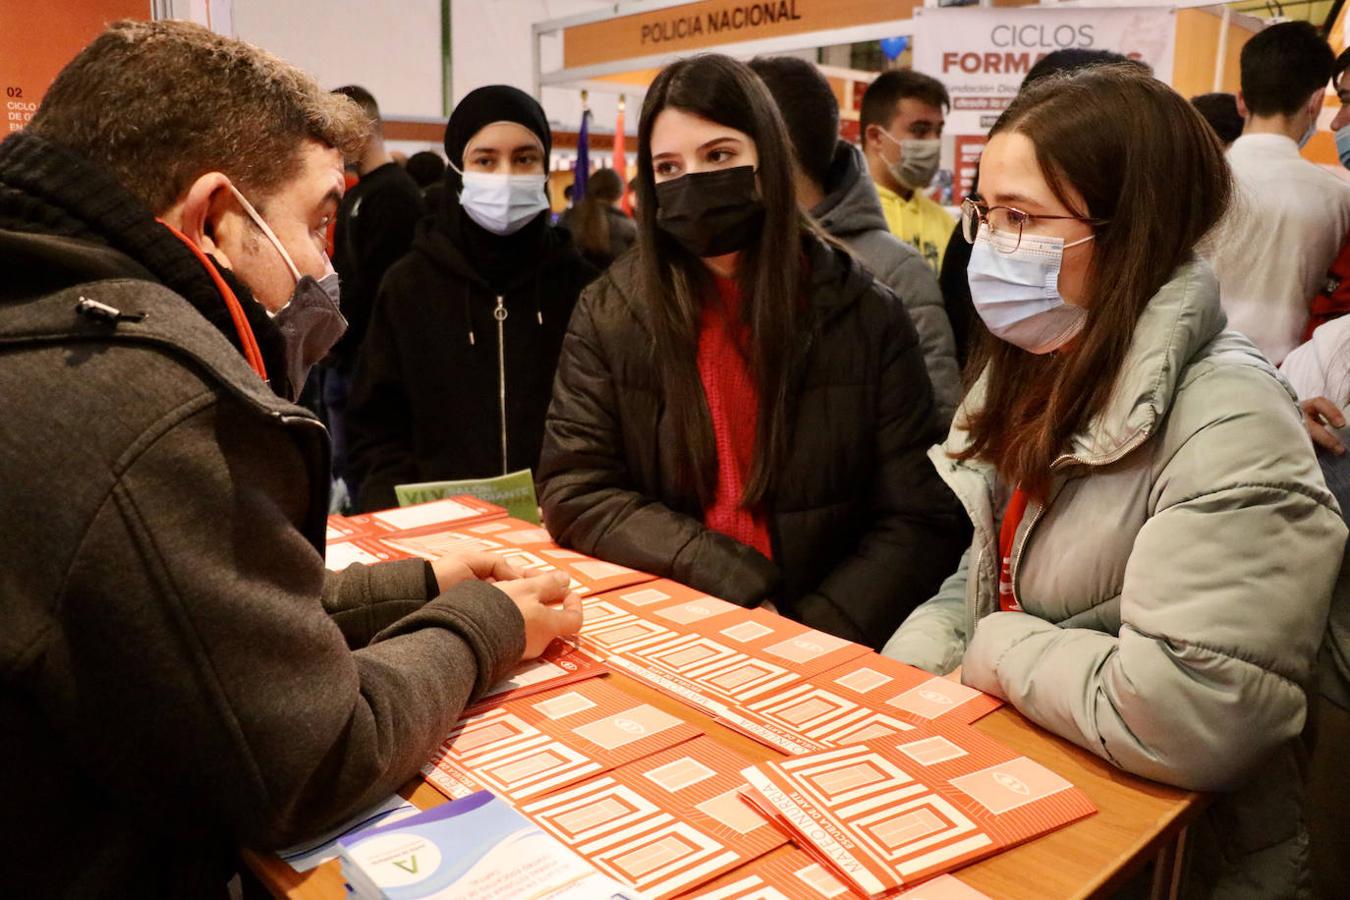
(453, 380)
(739, 405)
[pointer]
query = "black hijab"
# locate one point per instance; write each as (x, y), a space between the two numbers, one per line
(499, 259)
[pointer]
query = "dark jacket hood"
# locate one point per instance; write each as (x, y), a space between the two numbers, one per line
(851, 204)
(65, 220)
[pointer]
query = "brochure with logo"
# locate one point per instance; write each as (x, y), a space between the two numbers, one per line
(893, 812)
(561, 663)
(454, 511)
(792, 874)
(514, 490)
(868, 697)
(534, 745)
(665, 823)
(477, 848)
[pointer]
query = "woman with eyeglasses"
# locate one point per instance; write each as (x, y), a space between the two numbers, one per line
(1154, 545)
(739, 406)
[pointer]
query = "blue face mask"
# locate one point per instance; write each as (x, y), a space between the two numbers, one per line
(1343, 145)
(1017, 293)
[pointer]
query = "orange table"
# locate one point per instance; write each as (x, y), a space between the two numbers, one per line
(1137, 820)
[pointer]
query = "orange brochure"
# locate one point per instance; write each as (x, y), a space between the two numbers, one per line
(530, 746)
(561, 663)
(368, 551)
(912, 693)
(794, 875)
(664, 824)
(805, 717)
(786, 875)
(895, 811)
(754, 632)
(596, 575)
(455, 512)
(526, 546)
(868, 697)
(703, 650)
(694, 670)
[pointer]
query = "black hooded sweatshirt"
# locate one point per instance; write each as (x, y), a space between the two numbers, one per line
(461, 352)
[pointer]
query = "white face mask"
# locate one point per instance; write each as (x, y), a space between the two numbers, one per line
(1017, 293)
(503, 204)
(918, 161)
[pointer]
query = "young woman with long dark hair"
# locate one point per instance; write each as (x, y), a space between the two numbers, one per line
(739, 406)
(453, 378)
(1154, 545)
(600, 228)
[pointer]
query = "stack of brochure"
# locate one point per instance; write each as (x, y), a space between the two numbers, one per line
(477, 847)
(894, 812)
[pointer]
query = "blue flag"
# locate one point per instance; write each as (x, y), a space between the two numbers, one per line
(583, 167)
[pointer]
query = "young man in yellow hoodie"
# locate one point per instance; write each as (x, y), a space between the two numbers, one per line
(902, 117)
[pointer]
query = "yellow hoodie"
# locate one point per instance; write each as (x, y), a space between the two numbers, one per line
(919, 221)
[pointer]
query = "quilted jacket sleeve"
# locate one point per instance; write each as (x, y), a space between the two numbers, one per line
(1223, 604)
(934, 636)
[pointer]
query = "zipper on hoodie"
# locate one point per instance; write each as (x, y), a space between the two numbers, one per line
(500, 314)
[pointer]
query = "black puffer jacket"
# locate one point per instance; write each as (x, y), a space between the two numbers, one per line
(453, 366)
(863, 529)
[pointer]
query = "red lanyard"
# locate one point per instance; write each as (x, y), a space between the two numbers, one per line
(1012, 518)
(246, 339)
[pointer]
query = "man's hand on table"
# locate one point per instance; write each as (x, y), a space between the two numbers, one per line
(451, 570)
(536, 598)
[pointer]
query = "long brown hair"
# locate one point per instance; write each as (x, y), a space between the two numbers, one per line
(1146, 164)
(591, 215)
(674, 282)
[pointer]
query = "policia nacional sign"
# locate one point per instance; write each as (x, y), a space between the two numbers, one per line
(694, 26)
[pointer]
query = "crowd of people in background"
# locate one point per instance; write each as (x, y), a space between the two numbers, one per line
(1080, 446)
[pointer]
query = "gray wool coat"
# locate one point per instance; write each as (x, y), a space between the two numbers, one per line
(179, 674)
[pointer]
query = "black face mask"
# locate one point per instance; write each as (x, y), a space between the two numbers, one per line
(711, 213)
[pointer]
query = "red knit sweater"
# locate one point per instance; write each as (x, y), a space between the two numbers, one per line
(733, 401)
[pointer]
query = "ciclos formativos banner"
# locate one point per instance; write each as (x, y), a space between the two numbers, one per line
(982, 55)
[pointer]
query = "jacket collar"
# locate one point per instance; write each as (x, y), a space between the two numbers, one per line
(1181, 319)
(65, 220)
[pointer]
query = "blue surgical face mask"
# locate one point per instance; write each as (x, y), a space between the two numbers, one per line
(1343, 145)
(503, 204)
(1017, 293)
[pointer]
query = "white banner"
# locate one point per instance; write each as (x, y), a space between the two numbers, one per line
(983, 54)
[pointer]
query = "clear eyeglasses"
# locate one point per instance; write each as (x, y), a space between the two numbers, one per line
(1005, 223)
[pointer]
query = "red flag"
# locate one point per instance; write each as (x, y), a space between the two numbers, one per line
(620, 159)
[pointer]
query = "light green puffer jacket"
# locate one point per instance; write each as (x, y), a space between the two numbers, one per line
(1175, 586)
